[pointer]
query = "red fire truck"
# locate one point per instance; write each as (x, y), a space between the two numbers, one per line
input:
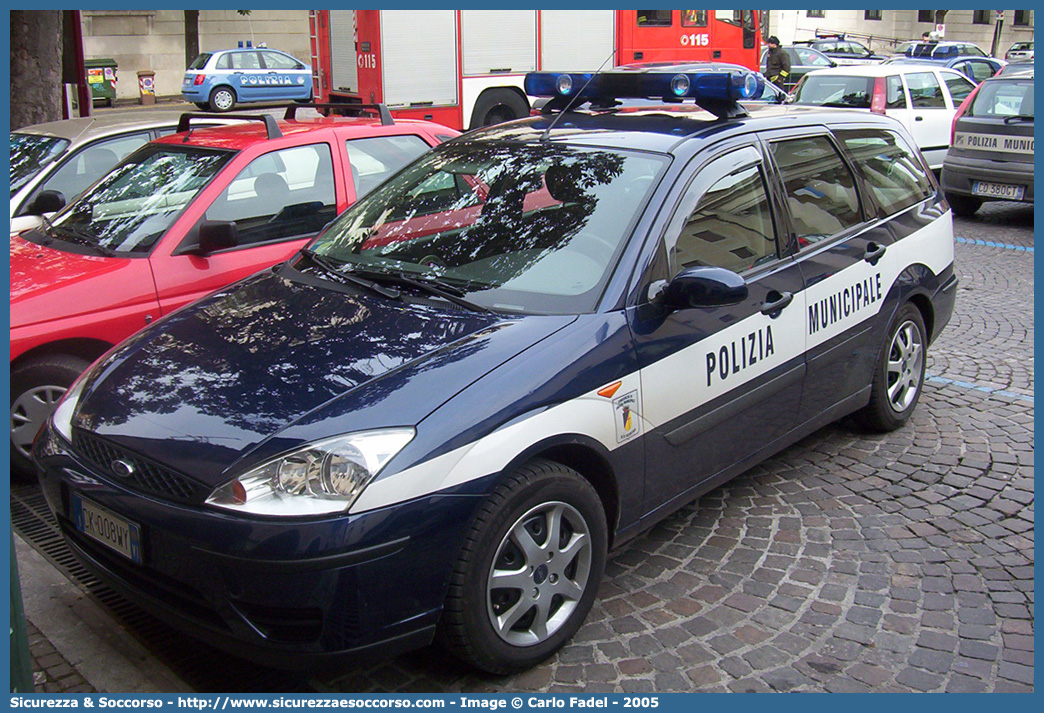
(465, 68)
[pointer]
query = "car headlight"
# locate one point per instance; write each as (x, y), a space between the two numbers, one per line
(323, 477)
(63, 415)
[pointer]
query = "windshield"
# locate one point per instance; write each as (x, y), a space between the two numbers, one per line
(834, 90)
(129, 209)
(521, 228)
(29, 154)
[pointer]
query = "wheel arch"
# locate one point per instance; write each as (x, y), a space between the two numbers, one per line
(587, 457)
(82, 347)
(489, 94)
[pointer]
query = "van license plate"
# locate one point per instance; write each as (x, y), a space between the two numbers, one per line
(998, 190)
(114, 532)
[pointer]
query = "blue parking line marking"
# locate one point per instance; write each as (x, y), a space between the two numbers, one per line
(991, 244)
(977, 387)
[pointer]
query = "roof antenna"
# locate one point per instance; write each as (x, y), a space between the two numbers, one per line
(547, 131)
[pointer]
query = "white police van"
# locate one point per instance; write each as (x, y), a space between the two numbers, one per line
(520, 351)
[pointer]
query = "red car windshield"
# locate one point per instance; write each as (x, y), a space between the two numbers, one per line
(131, 207)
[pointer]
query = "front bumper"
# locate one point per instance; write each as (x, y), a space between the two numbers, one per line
(290, 593)
(959, 172)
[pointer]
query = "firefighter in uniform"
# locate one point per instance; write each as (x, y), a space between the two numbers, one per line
(777, 64)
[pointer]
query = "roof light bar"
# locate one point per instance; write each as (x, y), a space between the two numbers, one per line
(717, 86)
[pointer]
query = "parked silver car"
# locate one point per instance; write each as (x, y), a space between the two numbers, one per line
(68, 156)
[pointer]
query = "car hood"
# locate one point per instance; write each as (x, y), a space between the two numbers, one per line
(271, 363)
(43, 277)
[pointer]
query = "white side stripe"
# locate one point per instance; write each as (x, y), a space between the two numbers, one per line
(682, 381)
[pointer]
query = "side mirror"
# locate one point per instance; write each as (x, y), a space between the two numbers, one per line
(216, 235)
(46, 202)
(704, 287)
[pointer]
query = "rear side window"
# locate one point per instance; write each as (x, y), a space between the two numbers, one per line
(960, 87)
(891, 170)
(373, 160)
(820, 189)
(925, 92)
(1003, 98)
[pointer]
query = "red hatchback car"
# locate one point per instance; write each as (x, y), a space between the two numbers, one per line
(182, 216)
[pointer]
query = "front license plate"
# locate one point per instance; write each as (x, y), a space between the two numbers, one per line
(112, 531)
(998, 190)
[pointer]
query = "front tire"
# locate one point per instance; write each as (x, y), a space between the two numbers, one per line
(36, 388)
(528, 572)
(899, 373)
(964, 206)
(222, 99)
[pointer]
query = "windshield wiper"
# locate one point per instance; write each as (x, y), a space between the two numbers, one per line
(81, 237)
(332, 272)
(1018, 117)
(436, 287)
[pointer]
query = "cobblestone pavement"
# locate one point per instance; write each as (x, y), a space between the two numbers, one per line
(51, 672)
(849, 562)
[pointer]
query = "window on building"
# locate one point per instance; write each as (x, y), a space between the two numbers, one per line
(981, 17)
(815, 13)
(871, 14)
(926, 16)
(1023, 17)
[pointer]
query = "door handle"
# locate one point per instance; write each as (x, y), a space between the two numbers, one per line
(778, 302)
(918, 118)
(873, 252)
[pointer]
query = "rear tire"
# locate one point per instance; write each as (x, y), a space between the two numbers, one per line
(495, 106)
(202, 106)
(36, 388)
(964, 206)
(528, 572)
(898, 375)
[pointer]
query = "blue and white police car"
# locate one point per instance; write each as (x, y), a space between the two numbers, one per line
(219, 80)
(517, 353)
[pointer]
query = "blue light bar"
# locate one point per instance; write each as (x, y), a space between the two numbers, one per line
(722, 86)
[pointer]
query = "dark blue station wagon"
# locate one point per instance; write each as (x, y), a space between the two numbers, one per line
(519, 352)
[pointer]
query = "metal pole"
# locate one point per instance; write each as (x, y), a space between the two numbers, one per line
(997, 33)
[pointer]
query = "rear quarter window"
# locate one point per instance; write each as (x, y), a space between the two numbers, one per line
(891, 170)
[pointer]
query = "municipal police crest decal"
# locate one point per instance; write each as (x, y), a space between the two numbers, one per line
(625, 411)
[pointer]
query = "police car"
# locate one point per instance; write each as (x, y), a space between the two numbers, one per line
(219, 80)
(519, 352)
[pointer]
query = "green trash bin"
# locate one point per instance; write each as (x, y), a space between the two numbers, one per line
(101, 77)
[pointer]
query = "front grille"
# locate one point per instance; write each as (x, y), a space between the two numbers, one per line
(146, 476)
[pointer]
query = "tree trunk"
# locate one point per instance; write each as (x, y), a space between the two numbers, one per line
(191, 36)
(36, 66)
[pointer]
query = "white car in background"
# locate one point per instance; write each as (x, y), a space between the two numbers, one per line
(921, 97)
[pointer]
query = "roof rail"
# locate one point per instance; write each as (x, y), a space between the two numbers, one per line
(271, 127)
(381, 109)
